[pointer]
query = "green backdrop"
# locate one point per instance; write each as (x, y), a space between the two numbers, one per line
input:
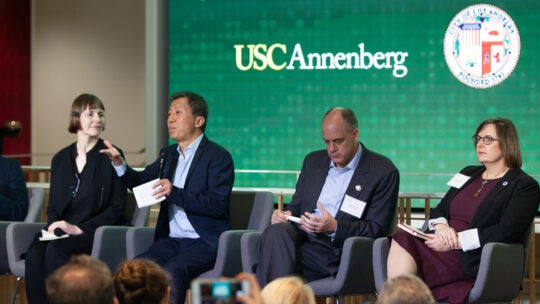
(269, 119)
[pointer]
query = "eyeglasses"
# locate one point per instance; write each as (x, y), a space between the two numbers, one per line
(75, 185)
(486, 140)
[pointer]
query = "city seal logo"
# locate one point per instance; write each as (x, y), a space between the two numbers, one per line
(481, 46)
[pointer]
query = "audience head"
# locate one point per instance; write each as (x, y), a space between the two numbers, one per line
(83, 280)
(141, 281)
(79, 105)
(340, 135)
(405, 289)
(507, 139)
(287, 290)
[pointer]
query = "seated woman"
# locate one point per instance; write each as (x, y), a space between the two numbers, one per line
(494, 202)
(84, 195)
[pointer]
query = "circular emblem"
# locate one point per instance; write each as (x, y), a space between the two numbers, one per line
(481, 46)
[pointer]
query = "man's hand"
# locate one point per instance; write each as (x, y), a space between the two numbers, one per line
(162, 187)
(112, 153)
(280, 216)
(319, 224)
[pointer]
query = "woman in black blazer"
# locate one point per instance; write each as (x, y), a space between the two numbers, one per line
(84, 195)
(495, 202)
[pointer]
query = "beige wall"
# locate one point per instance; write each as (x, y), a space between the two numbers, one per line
(94, 46)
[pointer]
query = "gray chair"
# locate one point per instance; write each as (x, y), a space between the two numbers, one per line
(36, 198)
(249, 211)
(355, 272)
(499, 263)
(110, 241)
(19, 235)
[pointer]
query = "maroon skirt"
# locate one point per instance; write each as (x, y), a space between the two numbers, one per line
(441, 271)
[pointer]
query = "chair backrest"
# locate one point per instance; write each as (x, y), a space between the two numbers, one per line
(19, 235)
(36, 199)
(133, 215)
(251, 209)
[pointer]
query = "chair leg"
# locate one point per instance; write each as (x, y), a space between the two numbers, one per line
(14, 295)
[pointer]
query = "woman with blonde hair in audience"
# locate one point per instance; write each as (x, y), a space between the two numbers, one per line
(287, 290)
(142, 281)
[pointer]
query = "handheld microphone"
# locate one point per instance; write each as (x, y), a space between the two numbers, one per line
(59, 232)
(162, 159)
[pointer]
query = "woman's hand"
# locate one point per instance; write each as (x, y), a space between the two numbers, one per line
(444, 239)
(66, 227)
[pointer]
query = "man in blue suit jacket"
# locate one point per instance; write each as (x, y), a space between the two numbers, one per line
(13, 193)
(345, 190)
(198, 177)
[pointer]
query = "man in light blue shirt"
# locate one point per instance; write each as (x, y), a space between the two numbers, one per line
(345, 190)
(197, 181)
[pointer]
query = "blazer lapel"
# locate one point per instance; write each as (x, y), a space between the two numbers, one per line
(487, 203)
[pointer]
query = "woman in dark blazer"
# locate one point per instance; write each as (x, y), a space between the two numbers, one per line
(495, 202)
(84, 195)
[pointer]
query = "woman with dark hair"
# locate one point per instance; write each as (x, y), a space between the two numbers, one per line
(84, 195)
(494, 202)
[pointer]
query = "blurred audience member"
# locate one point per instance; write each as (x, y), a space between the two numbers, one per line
(82, 280)
(285, 290)
(405, 289)
(141, 281)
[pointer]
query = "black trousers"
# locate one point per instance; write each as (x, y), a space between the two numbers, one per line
(43, 258)
(285, 249)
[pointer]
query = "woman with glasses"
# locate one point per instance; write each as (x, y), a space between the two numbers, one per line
(493, 202)
(84, 195)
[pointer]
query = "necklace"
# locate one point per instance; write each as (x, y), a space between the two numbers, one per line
(477, 193)
(486, 180)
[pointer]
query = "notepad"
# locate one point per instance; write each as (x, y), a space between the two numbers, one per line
(143, 194)
(49, 236)
(416, 232)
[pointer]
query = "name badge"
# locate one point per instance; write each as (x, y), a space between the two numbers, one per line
(353, 206)
(458, 180)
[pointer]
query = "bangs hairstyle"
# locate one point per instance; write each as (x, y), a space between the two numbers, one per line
(81, 103)
(508, 140)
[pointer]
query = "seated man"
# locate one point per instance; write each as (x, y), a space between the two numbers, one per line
(196, 177)
(83, 280)
(344, 191)
(13, 193)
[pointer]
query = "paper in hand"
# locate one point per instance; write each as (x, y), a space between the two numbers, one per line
(143, 194)
(49, 236)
